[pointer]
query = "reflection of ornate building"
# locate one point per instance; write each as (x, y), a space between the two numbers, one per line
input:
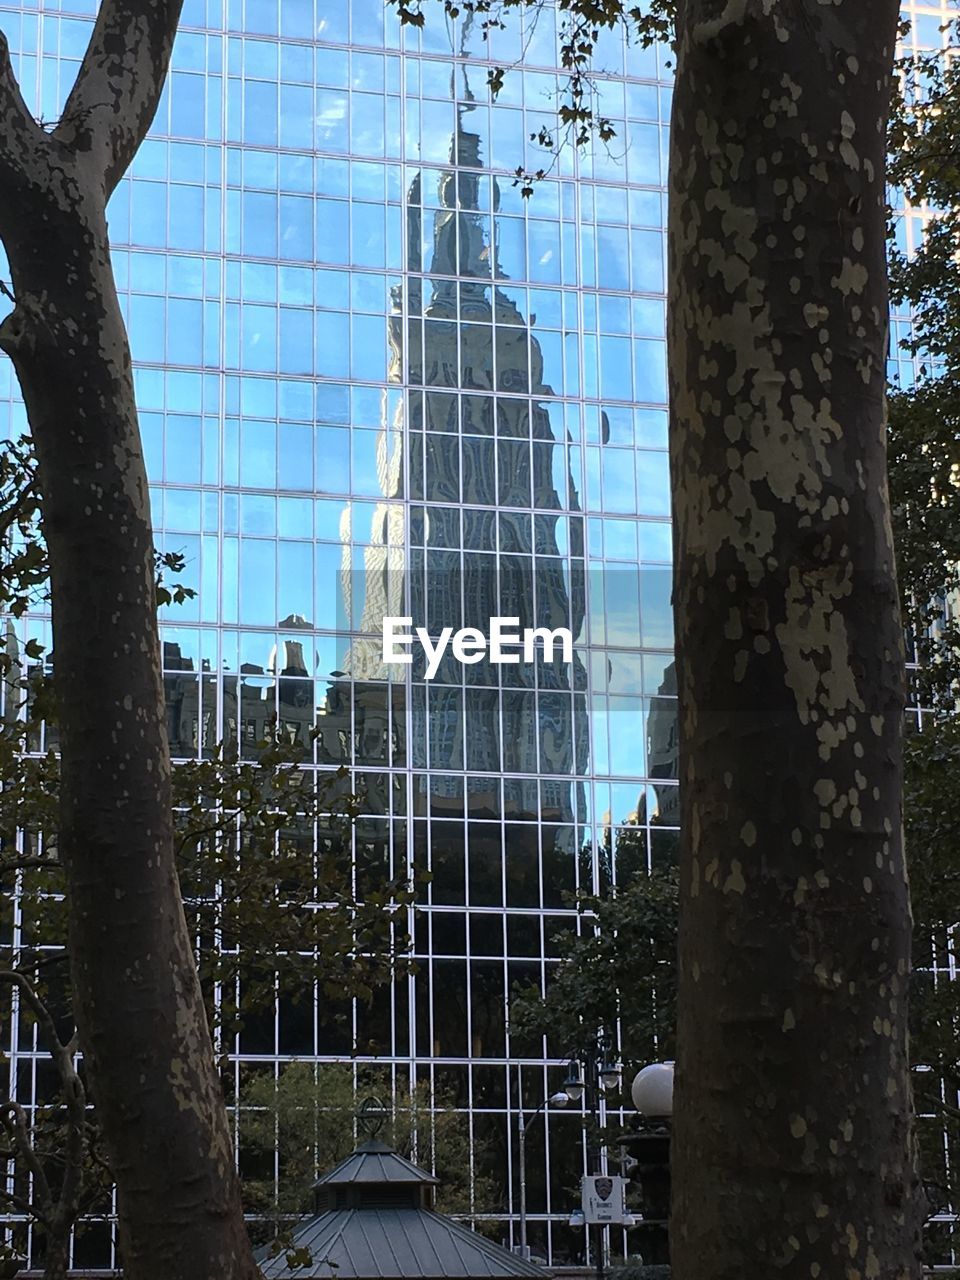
(477, 436)
(254, 702)
(663, 748)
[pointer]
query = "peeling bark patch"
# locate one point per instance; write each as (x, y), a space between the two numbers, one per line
(816, 654)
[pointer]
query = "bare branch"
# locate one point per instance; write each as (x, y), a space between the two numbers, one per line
(18, 1202)
(20, 135)
(37, 1007)
(14, 1120)
(64, 1210)
(9, 865)
(938, 1104)
(62, 1054)
(118, 87)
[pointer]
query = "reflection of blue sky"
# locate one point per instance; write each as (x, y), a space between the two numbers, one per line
(599, 736)
(621, 602)
(626, 723)
(653, 484)
(649, 317)
(643, 150)
(651, 426)
(620, 540)
(656, 609)
(624, 672)
(654, 669)
(650, 370)
(618, 803)
(630, 608)
(331, 118)
(437, 124)
(619, 487)
(367, 135)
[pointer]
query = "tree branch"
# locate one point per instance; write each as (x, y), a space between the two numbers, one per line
(19, 505)
(8, 865)
(14, 1120)
(37, 1007)
(18, 1202)
(64, 1208)
(115, 96)
(20, 136)
(62, 1054)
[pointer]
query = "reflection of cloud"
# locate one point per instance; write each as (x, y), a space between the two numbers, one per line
(623, 627)
(631, 609)
(624, 672)
(332, 115)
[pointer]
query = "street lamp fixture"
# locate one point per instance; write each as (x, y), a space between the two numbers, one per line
(652, 1090)
(558, 1099)
(609, 1075)
(573, 1085)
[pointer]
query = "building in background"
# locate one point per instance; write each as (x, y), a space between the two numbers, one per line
(371, 374)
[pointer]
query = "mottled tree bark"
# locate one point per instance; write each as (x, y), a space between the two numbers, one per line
(792, 1147)
(137, 1000)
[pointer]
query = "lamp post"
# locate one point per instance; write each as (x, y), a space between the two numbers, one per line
(652, 1091)
(649, 1143)
(554, 1100)
(590, 1074)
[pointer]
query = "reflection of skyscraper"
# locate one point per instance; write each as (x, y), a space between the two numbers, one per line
(480, 450)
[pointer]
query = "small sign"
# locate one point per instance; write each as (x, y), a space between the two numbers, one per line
(603, 1199)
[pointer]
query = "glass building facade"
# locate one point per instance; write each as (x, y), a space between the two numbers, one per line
(373, 379)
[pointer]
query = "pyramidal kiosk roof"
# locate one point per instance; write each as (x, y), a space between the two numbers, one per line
(375, 1220)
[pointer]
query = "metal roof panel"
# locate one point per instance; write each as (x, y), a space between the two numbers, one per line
(375, 1162)
(396, 1244)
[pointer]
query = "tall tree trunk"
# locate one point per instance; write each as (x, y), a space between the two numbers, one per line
(137, 999)
(792, 1140)
(56, 1244)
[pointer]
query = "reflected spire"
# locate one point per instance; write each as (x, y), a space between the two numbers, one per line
(460, 246)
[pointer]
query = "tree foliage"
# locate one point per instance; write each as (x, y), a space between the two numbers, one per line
(273, 908)
(304, 1121)
(267, 876)
(924, 434)
(579, 110)
(617, 973)
(924, 439)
